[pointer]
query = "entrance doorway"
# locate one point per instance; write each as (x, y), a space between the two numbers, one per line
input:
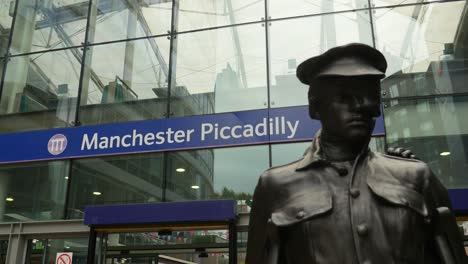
(183, 246)
(201, 232)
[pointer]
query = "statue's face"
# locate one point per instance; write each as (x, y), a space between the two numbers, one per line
(348, 106)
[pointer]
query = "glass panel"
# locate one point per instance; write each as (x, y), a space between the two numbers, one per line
(378, 3)
(41, 251)
(203, 246)
(377, 144)
(115, 180)
(195, 14)
(33, 191)
(220, 71)
(295, 40)
(229, 173)
(124, 19)
(125, 81)
(40, 91)
(44, 25)
(3, 251)
(281, 8)
(241, 247)
(282, 154)
(436, 130)
(174, 239)
(425, 46)
(7, 8)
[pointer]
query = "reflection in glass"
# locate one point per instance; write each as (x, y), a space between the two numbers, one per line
(44, 25)
(3, 251)
(195, 14)
(6, 18)
(295, 40)
(425, 46)
(379, 3)
(40, 91)
(125, 81)
(281, 8)
(436, 130)
(124, 19)
(168, 246)
(219, 71)
(115, 180)
(18, 202)
(282, 154)
(228, 173)
(173, 238)
(44, 250)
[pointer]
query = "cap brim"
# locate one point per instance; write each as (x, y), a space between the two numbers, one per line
(351, 68)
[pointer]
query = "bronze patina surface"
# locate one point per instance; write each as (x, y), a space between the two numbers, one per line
(342, 203)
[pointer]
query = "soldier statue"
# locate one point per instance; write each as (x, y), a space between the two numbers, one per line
(342, 203)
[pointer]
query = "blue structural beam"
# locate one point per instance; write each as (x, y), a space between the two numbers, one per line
(161, 213)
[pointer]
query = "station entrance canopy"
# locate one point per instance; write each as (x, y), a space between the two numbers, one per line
(173, 232)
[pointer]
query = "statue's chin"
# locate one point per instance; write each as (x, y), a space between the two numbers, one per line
(358, 134)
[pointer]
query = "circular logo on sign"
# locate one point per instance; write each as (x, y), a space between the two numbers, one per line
(57, 144)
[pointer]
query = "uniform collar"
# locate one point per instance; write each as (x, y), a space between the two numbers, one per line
(314, 154)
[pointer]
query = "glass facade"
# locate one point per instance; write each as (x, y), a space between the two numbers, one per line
(33, 191)
(67, 63)
(44, 250)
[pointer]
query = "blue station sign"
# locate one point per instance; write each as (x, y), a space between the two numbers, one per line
(287, 124)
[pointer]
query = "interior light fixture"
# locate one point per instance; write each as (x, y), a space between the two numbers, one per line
(195, 187)
(180, 170)
(9, 199)
(97, 193)
(66, 177)
(67, 247)
(445, 153)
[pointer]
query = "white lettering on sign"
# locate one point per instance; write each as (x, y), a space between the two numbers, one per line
(208, 131)
(272, 126)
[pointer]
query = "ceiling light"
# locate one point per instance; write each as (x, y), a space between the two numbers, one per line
(195, 187)
(180, 170)
(66, 177)
(67, 247)
(97, 193)
(9, 199)
(445, 153)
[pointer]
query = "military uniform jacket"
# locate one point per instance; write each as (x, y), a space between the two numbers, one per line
(382, 214)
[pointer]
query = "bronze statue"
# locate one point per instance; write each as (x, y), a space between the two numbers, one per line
(342, 203)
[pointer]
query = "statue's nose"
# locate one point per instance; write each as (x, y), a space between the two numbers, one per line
(362, 103)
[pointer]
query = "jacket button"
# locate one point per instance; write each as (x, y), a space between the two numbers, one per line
(300, 214)
(354, 192)
(362, 229)
(342, 171)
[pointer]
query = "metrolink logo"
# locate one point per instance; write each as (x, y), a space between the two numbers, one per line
(57, 144)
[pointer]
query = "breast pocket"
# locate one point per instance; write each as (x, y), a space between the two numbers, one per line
(290, 218)
(302, 206)
(402, 211)
(399, 195)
